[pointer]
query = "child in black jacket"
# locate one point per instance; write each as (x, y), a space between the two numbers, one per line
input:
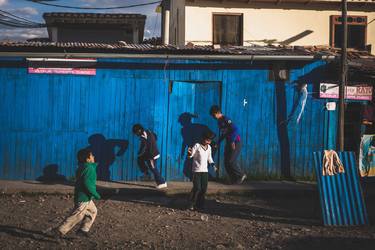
(148, 154)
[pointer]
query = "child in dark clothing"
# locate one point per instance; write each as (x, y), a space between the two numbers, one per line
(229, 132)
(201, 155)
(84, 193)
(148, 154)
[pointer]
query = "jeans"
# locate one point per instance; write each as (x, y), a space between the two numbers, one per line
(150, 164)
(230, 161)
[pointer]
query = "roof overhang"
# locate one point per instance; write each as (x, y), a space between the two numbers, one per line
(170, 56)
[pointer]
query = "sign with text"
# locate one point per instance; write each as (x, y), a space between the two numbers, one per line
(63, 71)
(61, 66)
(356, 92)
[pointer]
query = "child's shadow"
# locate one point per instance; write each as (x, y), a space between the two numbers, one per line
(25, 233)
(105, 153)
(51, 175)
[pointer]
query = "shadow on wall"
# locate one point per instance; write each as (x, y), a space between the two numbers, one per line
(285, 120)
(105, 153)
(191, 133)
(321, 74)
(282, 129)
(50, 174)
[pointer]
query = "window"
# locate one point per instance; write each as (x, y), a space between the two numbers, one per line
(357, 31)
(227, 29)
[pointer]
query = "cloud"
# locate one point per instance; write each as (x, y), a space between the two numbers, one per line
(22, 34)
(3, 2)
(88, 1)
(27, 11)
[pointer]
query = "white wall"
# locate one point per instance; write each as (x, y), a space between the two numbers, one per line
(270, 24)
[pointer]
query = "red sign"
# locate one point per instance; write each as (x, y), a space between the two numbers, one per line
(359, 92)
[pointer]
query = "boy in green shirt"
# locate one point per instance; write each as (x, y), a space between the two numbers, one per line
(84, 193)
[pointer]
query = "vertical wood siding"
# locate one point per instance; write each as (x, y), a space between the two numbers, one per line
(46, 119)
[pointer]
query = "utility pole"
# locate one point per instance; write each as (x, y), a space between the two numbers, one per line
(344, 73)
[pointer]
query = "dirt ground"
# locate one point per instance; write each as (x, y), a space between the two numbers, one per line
(154, 222)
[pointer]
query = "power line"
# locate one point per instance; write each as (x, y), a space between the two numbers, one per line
(17, 17)
(11, 20)
(93, 8)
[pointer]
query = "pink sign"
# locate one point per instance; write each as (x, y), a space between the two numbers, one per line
(64, 71)
(359, 92)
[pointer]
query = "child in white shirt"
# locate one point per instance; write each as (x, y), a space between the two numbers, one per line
(201, 154)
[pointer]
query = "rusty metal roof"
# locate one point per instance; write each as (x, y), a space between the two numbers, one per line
(361, 62)
(123, 47)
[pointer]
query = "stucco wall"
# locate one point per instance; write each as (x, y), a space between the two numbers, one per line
(278, 24)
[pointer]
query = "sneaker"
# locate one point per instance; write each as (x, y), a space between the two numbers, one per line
(191, 207)
(160, 186)
(243, 178)
(83, 233)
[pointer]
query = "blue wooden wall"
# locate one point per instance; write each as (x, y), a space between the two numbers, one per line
(46, 119)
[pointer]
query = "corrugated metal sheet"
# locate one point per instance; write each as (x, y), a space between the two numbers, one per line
(123, 47)
(341, 194)
(45, 119)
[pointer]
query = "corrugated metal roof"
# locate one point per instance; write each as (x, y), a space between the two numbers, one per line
(123, 47)
(361, 62)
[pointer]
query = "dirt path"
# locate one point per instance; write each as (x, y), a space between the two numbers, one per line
(229, 222)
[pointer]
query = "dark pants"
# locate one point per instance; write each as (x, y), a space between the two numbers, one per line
(230, 161)
(198, 193)
(150, 164)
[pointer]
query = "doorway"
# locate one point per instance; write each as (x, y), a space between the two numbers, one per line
(352, 127)
(188, 118)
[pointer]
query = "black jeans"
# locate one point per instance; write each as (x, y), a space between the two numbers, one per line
(230, 161)
(150, 164)
(198, 193)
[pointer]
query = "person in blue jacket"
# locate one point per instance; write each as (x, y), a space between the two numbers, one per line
(229, 132)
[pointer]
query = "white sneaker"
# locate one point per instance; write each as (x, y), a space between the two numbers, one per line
(243, 178)
(160, 186)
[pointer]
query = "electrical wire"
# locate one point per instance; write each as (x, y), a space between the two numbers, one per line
(16, 17)
(93, 8)
(11, 20)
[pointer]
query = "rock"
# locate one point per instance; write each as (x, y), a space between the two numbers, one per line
(220, 246)
(274, 235)
(239, 246)
(204, 217)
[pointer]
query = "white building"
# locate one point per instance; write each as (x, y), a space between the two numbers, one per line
(246, 22)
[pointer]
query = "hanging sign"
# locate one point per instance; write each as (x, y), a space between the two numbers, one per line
(356, 92)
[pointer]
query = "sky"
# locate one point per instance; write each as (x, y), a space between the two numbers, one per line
(34, 12)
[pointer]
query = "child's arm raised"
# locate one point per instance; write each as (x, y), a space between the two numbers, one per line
(191, 151)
